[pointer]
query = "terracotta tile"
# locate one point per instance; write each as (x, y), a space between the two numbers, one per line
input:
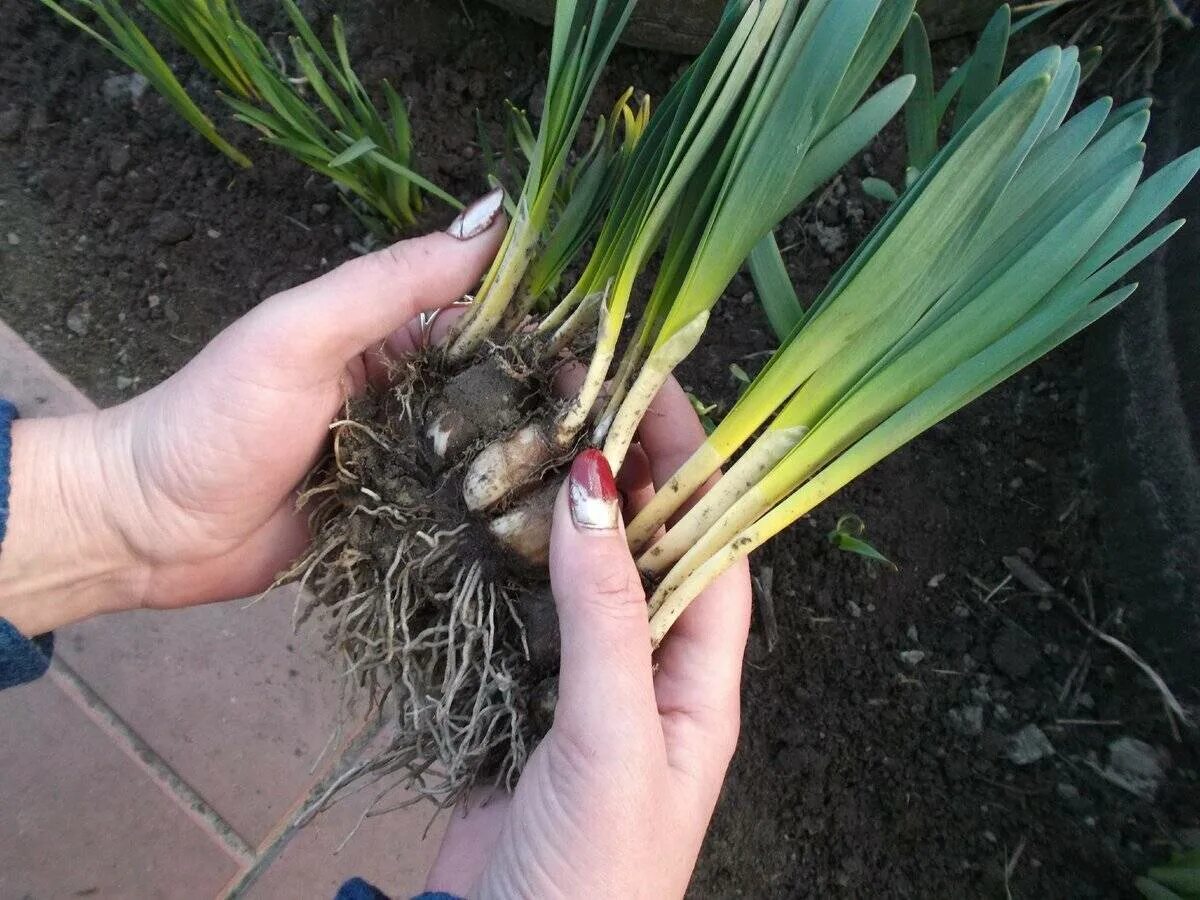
(82, 819)
(234, 702)
(390, 851)
(33, 384)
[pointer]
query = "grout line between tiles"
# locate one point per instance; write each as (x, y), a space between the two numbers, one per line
(184, 795)
(291, 823)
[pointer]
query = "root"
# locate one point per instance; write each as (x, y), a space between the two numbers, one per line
(419, 604)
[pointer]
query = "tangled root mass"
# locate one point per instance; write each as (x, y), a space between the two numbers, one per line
(447, 634)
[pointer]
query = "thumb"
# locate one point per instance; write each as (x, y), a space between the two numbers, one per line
(605, 670)
(357, 305)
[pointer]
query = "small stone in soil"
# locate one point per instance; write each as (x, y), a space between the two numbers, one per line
(1014, 653)
(1136, 766)
(117, 88)
(169, 228)
(912, 657)
(1067, 791)
(13, 239)
(1028, 745)
(118, 159)
(79, 318)
(967, 720)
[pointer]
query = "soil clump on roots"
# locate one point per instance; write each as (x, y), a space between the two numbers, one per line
(442, 627)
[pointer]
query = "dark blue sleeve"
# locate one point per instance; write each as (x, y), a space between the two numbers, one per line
(8, 413)
(357, 889)
(21, 659)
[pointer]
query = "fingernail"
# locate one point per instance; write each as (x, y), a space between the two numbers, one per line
(478, 217)
(592, 492)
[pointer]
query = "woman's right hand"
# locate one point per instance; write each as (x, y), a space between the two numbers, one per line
(616, 800)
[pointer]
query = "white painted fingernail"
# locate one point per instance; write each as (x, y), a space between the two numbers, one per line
(478, 217)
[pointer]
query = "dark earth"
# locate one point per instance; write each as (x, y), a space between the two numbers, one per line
(874, 758)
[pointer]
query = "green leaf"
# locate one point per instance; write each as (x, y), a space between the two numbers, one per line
(774, 286)
(1152, 890)
(985, 66)
(880, 190)
(846, 536)
(1182, 879)
(920, 122)
(359, 148)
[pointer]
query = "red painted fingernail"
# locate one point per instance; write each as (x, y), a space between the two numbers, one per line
(592, 490)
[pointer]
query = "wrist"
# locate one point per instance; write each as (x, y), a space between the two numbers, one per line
(63, 559)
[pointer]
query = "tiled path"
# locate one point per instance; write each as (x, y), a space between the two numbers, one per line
(167, 755)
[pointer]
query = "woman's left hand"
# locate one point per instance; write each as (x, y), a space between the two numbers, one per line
(186, 494)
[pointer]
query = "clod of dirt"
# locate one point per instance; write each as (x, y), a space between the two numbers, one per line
(169, 228)
(1014, 652)
(485, 397)
(1028, 745)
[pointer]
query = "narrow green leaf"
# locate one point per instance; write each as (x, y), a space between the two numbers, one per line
(985, 66)
(359, 148)
(774, 286)
(920, 122)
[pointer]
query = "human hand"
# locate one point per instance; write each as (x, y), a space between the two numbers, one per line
(617, 798)
(186, 494)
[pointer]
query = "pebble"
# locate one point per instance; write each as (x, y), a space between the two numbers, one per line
(1067, 791)
(936, 580)
(13, 239)
(912, 657)
(169, 228)
(118, 159)
(913, 634)
(967, 720)
(128, 88)
(855, 609)
(1028, 745)
(12, 123)
(1136, 766)
(213, 233)
(124, 382)
(79, 318)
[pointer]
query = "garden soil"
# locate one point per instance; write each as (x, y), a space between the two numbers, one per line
(876, 756)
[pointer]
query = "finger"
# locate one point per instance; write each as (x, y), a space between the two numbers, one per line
(605, 677)
(635, 481)
(698, 681)
(670, 431)
(404, 341)
(357, 305)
